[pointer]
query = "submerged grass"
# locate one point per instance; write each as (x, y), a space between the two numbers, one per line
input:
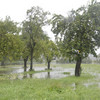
(69, 88)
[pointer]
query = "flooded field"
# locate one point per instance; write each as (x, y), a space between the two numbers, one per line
(17, 72)
(59, 81)
(56, 72)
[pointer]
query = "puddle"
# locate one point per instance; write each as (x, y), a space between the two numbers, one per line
(76, 85)
(92, 83)
(55, 73)
(45, 75)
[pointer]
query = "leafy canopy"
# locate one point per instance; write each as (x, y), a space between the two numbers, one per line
(77, 33)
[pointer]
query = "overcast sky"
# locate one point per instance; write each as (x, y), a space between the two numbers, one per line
(16, 9)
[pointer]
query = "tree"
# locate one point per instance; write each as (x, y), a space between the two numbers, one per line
(9, 40)
(32, 26)
(94, 13)
(25, 54)
(10, 47)
(78, 34)
(50, 51)
(38, 51)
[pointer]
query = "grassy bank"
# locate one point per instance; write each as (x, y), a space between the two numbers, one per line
(85, 87)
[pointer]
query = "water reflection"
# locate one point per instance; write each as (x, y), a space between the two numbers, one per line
(55, 73)
(75, 85)
(48, 74)
(45, 75)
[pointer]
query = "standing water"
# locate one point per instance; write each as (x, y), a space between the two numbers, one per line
(55, 73)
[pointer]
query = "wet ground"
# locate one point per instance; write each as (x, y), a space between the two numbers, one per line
(55, 73)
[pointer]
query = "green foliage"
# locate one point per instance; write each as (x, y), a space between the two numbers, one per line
(11, 47)
(10, 43)
(50, 50)
(32, 32)
(94, 13)
(25, 49)
(15, 46)
(8, 26)
(78, 35)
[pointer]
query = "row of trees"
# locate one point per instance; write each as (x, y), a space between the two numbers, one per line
(77, 36)
(31, 44)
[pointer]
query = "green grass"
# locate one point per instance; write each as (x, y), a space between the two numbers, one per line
(69, 88)
(64, 65)
(33, 72)
(41, 89)
(66, 73)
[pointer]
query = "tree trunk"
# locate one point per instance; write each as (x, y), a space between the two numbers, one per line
(78, 67)
(25, 63)
(48, 64)
(2, 63)
(48, 76)
(31, 63)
